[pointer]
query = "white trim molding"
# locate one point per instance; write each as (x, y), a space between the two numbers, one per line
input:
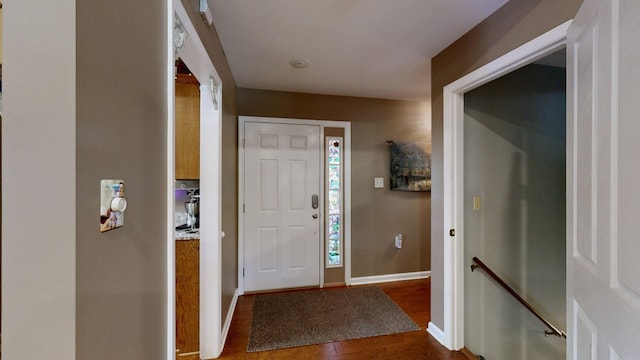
(435, 331)
(210, 230)
(170, 182)
(227, 321)
(452, 336)
(390, 277)
(196, 57)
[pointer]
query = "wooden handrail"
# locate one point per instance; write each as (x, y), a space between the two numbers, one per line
(552, 329)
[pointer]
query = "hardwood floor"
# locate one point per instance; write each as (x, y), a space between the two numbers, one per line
(412, 296)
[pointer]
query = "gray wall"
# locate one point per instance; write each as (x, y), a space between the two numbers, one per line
(516, 23)
(514, 155)
(121, 134)
(377, 214)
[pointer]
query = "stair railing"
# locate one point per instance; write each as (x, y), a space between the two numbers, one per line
(552, 329)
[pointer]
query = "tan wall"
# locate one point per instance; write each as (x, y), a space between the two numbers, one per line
(121, 134)
(377, 214)
(121, 84)
(516, 23)
(87, 101)
(210, 39)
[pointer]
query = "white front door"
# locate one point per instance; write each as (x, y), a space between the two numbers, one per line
(282, 227)
(603, 191)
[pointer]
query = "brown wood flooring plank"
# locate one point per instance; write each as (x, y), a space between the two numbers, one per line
(469, 354)
(412, 296)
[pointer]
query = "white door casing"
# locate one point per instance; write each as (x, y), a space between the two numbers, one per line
(603, 198)
(452, 336)
(213, 327)
(282, 229)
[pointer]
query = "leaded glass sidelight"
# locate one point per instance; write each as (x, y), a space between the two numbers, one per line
(334, 199)
(334, 202)
(334, 177)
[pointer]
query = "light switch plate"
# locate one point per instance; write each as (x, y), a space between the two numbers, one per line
(476, 203)
(378, 182)
(110, 189)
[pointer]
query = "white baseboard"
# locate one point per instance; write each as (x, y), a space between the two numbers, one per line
(390, 277)
(227, 321)
(436, 333)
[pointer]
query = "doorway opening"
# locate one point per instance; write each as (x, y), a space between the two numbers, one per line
(455, 265)
(201, 175)
(514, 218)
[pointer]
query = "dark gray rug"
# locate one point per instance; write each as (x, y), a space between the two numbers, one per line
(319, 316)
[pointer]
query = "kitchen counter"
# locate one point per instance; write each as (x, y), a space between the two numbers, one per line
(179, 235)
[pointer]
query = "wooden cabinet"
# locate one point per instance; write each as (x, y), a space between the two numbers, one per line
(187, 127)
(187, 296)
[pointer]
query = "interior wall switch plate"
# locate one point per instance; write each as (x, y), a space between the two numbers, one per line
(476, 203)
(112, 204)
(398, 241)
(378, 183)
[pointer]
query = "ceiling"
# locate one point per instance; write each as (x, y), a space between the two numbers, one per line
(365, 48)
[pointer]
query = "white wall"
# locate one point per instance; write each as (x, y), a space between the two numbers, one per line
(38, 183)
(515, 162)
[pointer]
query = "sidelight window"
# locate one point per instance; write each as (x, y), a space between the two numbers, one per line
(334, 212)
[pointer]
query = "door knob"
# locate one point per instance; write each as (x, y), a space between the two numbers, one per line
(315, 216)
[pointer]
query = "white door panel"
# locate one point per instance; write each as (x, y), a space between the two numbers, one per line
(282, 172)
(603, 192)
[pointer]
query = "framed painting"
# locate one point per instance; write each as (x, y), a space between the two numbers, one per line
(410, 166)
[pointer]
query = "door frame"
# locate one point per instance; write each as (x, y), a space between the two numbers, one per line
(197, 59)
(452, 336)
(347, 190)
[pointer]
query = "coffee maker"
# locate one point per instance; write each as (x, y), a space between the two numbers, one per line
(193, 212)
(192, 209)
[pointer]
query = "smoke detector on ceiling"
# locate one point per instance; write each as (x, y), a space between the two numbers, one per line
(299, 63)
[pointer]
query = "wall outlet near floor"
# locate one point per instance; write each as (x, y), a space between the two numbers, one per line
(398, 241)
(378, 183)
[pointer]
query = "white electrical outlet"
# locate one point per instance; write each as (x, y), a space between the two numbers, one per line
(398, 241)
(378, 182)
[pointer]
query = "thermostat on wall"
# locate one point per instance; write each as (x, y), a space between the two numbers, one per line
(112, 204)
